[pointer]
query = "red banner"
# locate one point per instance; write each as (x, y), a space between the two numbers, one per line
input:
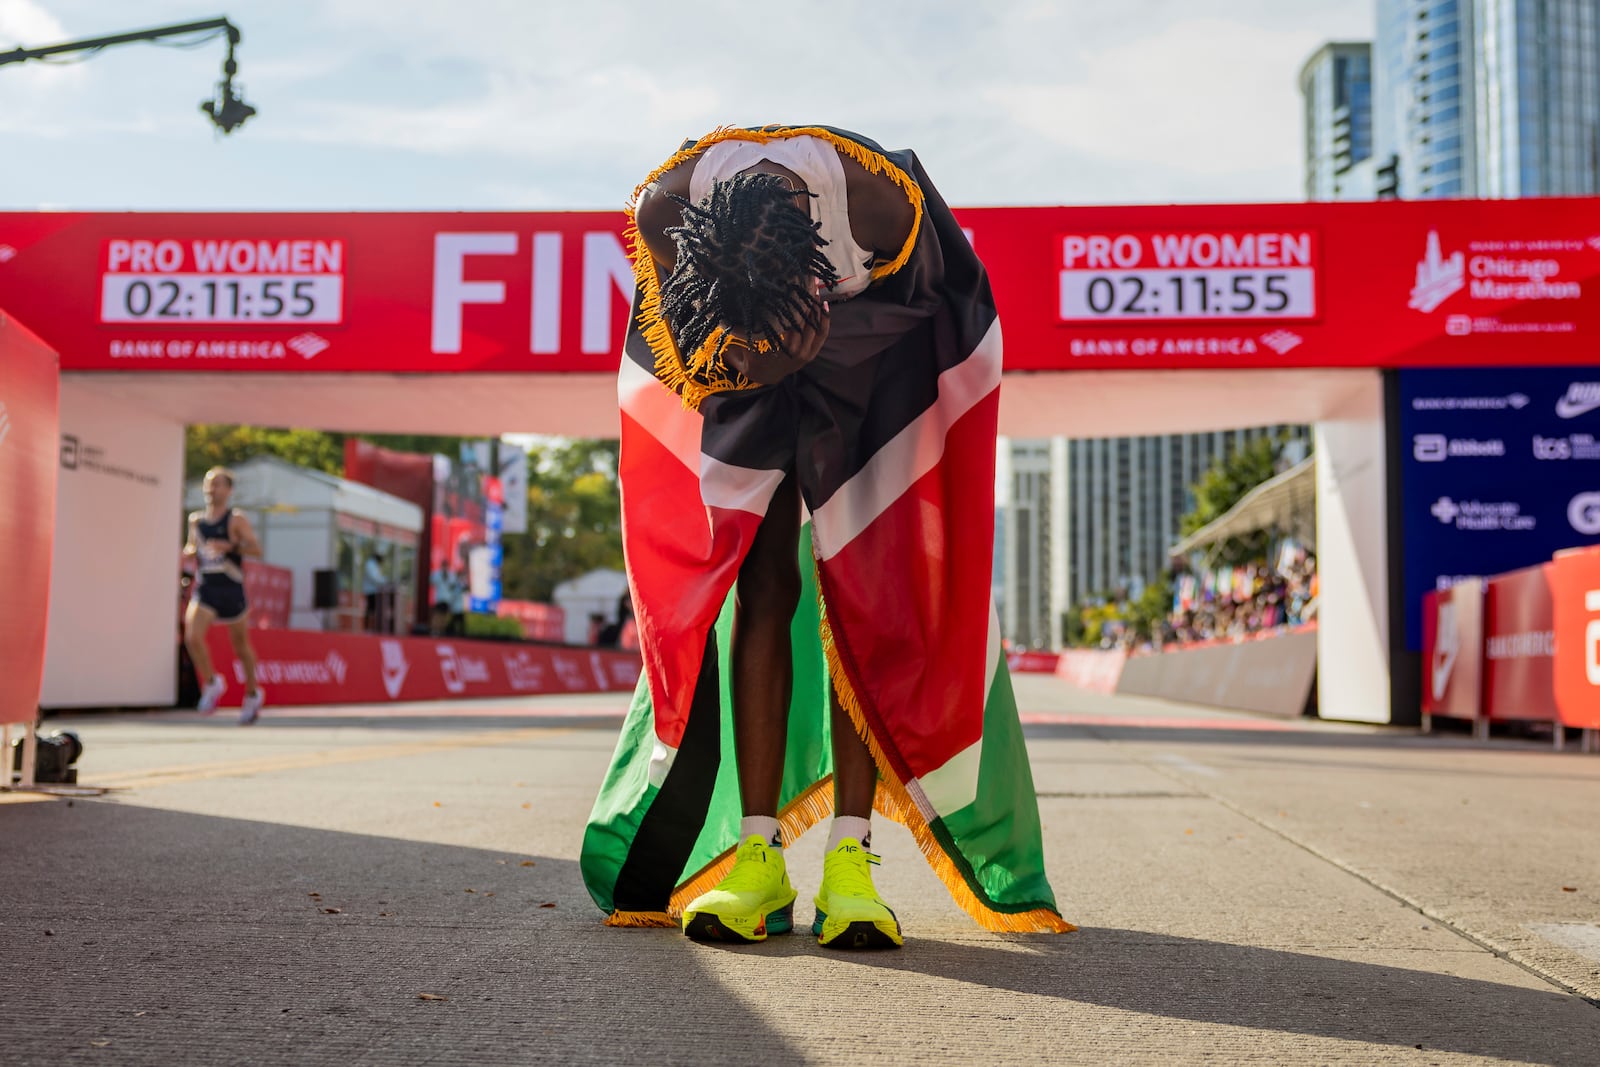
(540, 622)
(1519, 646)
(1394, 283)
(1452, 651)
(1575, 584)
(30, 441)
(311, 667)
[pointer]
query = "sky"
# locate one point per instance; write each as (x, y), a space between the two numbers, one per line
(567, 104)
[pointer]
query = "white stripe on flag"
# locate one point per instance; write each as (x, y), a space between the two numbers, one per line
(913, 452)
(655, 407)
(660, 763)
(724, 485)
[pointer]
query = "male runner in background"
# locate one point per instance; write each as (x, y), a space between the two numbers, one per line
(220, 538)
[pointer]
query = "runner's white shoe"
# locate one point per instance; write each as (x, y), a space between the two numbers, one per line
(212, 693)
(250, 710)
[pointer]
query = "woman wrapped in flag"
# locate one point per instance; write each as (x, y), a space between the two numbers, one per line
(809, 391)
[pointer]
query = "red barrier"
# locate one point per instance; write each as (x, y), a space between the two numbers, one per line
(1452, 651)
(540, 622)
(312, 667)
(1092, 668)
(30, 439)
(1519, 646)
(1032, 661)
(268, 590)
(1575, 585)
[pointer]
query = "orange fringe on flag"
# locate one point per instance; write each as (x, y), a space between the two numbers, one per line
(640, 919)
(676, 372)
(895, 803)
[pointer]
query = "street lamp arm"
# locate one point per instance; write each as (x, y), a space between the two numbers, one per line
(18, 55)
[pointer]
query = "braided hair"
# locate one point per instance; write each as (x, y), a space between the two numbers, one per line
(746, 257)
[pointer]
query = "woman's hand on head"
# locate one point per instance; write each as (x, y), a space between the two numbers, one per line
(790, 354)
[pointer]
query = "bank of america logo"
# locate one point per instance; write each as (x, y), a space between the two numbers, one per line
(308, 344)
(1438, 278)
(1281, 341)
(7, 253)
(5, 424)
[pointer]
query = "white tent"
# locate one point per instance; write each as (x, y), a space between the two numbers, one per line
(1286, 503)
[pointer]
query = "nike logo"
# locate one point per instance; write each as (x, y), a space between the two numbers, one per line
(1581, 398)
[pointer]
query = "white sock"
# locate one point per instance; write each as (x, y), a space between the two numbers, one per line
(850, 826)
(765, 825)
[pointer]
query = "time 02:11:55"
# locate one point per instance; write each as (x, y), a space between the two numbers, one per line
(1095, 296)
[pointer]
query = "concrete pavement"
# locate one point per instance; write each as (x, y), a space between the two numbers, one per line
(1249, 890)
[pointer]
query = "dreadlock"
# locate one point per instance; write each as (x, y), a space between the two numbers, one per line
(746, 257)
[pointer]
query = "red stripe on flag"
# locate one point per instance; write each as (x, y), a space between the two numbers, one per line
(909, 603)
(682, 559)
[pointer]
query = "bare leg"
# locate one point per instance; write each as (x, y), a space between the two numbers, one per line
(196, 621)
(763, 667)
(239, 634)
(855, 776)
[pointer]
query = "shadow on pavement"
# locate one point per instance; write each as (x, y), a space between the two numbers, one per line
(1269, 990)
(139, 936)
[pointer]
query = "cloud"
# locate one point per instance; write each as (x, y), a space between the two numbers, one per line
(1207, 96)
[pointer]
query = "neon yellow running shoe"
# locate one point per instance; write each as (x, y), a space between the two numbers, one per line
(850, 914)
(754, 900)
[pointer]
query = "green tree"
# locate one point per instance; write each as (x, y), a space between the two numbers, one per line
(226, 446)
(574, 518)
(1222, 486)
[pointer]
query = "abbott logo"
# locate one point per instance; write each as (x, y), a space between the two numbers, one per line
(1581, 398)
(1584, 513)
(450, 670)
(1438, 278)
(1430, 447)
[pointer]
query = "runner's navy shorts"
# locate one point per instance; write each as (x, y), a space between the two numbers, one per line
(223, 596)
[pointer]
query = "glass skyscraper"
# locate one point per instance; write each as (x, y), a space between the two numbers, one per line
(1494, 98)
(1336, 85)
(1537, 97)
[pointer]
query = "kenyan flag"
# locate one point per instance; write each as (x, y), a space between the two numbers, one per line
(892, 431)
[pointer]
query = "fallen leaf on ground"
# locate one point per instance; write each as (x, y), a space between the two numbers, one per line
(1188, 831)
(437, 804)
(332, 911)
(526, 806)
(488, 894)
(430, 996)
(526, 863)
(548, 904)
(471, 890)
(1569, 889)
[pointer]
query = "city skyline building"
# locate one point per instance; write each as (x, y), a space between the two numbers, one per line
(1078, 517)
(1469, 98)
(1336, 87)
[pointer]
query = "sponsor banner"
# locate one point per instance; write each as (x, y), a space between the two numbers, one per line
(311, 667)
(1032, 661)
(1575, 589)
(1500, 469)
(268, 589)
(1519, 646)
(540, 621)
(1092, 668)
(1452, 651)
(1394, 283)
(1271, 674)
(29, 439)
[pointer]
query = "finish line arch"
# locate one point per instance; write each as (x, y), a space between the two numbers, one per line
(1118, 321)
